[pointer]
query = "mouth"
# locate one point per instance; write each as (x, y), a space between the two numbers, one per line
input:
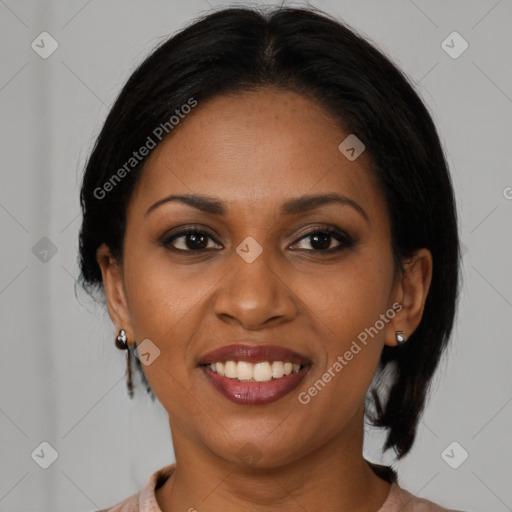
(254, 375)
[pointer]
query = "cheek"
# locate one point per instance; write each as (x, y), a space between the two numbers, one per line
(160, 295)
(350, 298)
(164, 307)
(352, 313)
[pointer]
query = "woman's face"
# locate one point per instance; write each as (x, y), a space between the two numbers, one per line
(263, 271)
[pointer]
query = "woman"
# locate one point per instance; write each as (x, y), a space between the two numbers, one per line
(269, 213)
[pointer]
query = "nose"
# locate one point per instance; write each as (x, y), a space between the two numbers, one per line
(255, 295)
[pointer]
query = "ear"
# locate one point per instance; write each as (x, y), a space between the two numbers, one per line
(115, 294)
(410, 291)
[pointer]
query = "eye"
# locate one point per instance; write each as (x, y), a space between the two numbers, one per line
(321, 240)
(190, 240)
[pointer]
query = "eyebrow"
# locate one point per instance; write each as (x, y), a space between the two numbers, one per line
(290, 207)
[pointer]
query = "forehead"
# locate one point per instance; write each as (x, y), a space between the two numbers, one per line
(253, 146)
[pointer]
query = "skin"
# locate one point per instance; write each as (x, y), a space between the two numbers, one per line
(252, 151)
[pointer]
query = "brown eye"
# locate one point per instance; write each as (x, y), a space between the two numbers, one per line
(191, 240)
(320, 240)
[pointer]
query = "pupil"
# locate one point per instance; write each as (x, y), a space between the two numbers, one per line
(197, 241)
(324, 240)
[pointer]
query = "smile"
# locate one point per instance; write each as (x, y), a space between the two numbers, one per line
(254, 375)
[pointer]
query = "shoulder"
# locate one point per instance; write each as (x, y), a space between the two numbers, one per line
(400, 499)
(145, 499)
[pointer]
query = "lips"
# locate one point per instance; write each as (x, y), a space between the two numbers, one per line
(249, 391)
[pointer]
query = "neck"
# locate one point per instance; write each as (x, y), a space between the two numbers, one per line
(333, 477)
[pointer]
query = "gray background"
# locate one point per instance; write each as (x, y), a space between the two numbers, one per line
(62, 379)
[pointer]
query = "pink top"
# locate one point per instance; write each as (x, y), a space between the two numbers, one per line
(145, 500)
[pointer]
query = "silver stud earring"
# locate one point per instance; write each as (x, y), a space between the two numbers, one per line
(400, 337)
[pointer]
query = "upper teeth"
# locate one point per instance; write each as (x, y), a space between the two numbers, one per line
(259, 372)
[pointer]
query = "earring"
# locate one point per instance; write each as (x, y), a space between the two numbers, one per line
(122, 344)
(121, 340)
(400, 337)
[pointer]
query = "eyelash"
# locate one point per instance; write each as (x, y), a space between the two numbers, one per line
(345, 240)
